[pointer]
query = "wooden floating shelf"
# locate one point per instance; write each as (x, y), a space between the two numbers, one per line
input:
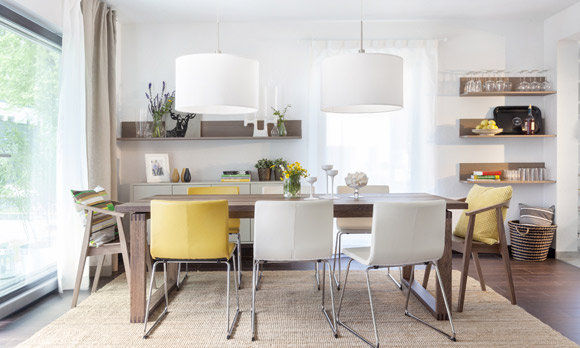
(467, 169)
(514, 80)
(218, 130)
(467, 124)
(508, 94)
(509, 136)
(507, 182)
(210, 138)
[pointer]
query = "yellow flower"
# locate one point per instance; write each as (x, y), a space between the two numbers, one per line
(287, 176)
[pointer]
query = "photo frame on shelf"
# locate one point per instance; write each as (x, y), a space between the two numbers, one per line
(157, 167)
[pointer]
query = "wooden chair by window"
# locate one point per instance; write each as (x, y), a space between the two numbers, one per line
(468, 247)
(114, 247)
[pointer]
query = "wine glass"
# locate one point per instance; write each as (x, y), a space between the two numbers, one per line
(326, 168)
(332, 173)
(523, 85)
(546, 85)
(311, 180)
(535, 85)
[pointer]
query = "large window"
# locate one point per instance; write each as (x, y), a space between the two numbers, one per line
(29, 89)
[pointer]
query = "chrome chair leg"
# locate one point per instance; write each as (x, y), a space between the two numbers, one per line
(398, 283)
(351, 330)
(407, 313)
(162, 315)
(332, 322)
(336, 256)
(255, 265)
(339, 251)
(260, 273)
(317, 275)
(230, 326)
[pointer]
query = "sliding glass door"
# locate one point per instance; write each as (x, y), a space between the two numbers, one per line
(29, 89)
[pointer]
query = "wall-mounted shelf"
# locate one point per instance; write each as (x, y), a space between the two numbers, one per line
(501, 182)
(218, 130)
(508, 94)
(210, 138)
(514, 80)
(467, 124)
(467, 169)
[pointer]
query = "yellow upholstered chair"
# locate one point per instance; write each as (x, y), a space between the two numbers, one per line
(191, 232)
(233, 224)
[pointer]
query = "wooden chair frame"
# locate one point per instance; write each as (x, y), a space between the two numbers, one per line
(468, 247)
(111, 248)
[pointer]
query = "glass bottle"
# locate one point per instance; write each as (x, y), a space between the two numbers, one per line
(530, 123)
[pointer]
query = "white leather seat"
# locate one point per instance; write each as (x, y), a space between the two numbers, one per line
(403, 234)
(353, 226)
(286, 231)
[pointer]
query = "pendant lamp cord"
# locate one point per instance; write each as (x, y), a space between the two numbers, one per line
(218, 50)
(361, 50)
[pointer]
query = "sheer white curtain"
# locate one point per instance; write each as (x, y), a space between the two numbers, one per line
(71, 145)
(394, 148)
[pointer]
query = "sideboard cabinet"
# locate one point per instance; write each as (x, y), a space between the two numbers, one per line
(143, 190)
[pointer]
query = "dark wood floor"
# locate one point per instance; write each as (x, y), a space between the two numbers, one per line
(548, 290)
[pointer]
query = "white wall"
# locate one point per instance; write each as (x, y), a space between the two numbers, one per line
(561, 33)
(148, 52)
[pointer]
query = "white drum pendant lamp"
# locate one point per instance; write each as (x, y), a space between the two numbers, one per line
(362, 82)
(216, 83)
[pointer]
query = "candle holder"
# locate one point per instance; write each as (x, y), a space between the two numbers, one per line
(311, 180)
(332, 173)
(326, 168)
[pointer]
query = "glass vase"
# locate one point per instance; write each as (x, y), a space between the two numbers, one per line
(292, 186)
(281, 125)
(158, 128)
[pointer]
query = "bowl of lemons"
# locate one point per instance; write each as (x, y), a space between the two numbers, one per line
(487, 128)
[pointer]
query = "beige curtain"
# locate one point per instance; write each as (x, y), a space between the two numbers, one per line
(100, 48)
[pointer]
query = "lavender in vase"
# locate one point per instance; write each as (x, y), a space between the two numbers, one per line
(159, 105)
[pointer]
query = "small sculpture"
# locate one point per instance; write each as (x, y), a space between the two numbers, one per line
(185, 175)
(181, 125)
(175, 175)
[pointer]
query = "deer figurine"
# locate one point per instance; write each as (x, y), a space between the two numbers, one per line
(181, 125)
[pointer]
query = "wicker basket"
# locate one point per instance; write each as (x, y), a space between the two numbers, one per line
(530, 243)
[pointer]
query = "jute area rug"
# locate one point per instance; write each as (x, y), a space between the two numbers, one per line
(288, 315)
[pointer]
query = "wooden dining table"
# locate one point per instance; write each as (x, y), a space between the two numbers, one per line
(242, 206)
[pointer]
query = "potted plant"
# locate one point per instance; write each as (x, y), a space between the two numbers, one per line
(291, 176)
(278, 165)
(263, 167)
(280, 121)
(159, 105)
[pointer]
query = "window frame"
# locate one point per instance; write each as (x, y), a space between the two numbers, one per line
(28, 27)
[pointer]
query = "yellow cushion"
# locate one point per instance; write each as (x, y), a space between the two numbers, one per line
(485, 229)
(233, 224)
(185, 230)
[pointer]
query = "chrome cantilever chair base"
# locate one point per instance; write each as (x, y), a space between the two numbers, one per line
(451, 336)
(257, 276)
(230, 325)
(337, 257)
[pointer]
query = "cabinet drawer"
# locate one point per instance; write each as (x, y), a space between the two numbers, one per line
(144, 191)
(182, 189)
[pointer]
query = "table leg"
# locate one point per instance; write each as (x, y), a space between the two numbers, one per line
(139, 253)
(435, 304)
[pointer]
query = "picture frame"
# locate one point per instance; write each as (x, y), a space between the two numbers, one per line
(157, 167)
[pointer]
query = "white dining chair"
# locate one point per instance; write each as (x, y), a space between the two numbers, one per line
(354, 226)
(402, 234)
(278, 190)
(287, 231)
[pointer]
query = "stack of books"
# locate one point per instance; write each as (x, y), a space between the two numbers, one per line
(235, 178)
(485, 176)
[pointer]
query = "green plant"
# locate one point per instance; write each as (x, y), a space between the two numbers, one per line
(159, 105)
(281, 114)
(263, 163)
(279, 163)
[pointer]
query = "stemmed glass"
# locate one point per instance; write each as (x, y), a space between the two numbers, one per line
(311, 180)
(332, 173)
(535, 85)
(523, 85)
(326, 168)
(545, 85)
(489, 85)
